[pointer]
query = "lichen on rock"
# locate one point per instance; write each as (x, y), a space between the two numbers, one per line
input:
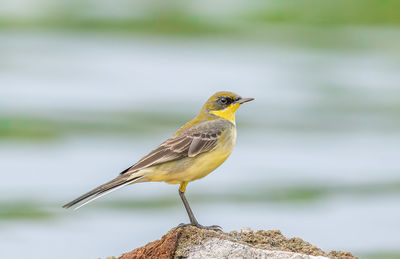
(192, 242)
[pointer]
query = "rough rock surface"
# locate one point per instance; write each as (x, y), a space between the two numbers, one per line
(191, 242)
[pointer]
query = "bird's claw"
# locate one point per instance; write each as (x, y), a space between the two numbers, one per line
(213, 227)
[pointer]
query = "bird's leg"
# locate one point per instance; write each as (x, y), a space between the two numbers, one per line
(193, 220)
(189, 211)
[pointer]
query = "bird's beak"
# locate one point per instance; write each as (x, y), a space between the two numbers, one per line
(244, 100)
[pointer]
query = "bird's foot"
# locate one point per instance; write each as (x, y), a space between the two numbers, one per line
(213, 227)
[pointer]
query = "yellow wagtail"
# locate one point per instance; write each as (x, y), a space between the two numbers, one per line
(194, 151)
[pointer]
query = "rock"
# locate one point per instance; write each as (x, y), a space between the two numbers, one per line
(192, 242)
(246, 230)
(163, 249)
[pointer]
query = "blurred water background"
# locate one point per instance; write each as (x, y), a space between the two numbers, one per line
(89, 87)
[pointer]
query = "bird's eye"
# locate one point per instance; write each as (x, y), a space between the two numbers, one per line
(223, 100)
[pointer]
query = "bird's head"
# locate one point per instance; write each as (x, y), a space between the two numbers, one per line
(224, 105)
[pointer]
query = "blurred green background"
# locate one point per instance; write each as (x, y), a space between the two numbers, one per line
(88, 87)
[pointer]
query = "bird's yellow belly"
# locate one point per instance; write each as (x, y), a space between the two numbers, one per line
(200, 167)
(192, 168)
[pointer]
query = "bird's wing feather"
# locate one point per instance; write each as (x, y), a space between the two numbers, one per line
(200, 145)
(189, 143)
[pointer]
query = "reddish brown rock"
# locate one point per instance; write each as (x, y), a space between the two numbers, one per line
(192, 242)
(162, 249)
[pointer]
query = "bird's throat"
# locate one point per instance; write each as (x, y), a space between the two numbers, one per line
(227, 113)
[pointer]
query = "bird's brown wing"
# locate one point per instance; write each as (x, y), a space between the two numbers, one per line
(191, 142)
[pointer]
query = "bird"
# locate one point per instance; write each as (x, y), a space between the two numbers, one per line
(195, 150)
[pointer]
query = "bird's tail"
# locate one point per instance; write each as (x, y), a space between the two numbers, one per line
(102, 190)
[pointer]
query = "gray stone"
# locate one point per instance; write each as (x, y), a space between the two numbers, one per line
(220, 248)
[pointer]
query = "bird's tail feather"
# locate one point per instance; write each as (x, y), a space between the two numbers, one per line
(102, 190)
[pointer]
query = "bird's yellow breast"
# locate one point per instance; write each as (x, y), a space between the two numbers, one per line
(192, 168)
